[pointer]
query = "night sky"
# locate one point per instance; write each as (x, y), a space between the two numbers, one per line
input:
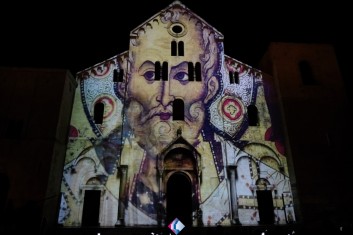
(75, 37)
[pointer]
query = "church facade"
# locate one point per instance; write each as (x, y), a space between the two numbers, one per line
(175, 128)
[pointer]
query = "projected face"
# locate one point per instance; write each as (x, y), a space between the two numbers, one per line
(150, 102)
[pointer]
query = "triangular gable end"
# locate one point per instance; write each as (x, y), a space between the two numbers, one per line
(169, 10)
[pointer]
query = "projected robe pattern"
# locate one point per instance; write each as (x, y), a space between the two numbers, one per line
(130, 155)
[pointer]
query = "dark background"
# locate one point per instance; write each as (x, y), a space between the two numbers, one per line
(74, 36)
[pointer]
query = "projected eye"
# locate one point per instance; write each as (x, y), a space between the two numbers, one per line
(182, 77)
(149, 75)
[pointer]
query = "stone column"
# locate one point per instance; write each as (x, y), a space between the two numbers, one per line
(122, 171)
(161, 210)
(233, 194)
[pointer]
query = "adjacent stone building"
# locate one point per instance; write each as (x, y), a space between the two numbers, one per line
(36, 107)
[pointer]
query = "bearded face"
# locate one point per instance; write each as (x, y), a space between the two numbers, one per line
(150, 102)
(154, 128)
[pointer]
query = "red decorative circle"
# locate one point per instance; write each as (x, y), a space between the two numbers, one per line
(232, 109)
(109, 105)
(73, 132)
(101, 71)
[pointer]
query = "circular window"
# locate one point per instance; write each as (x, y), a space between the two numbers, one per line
(177, 30)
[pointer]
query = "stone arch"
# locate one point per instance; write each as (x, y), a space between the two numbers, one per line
(261, 151)
(179, 158)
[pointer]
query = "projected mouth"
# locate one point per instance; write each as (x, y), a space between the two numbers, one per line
(164, 116)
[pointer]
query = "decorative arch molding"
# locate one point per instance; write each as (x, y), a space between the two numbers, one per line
(246, 156)
(257, 169)
(180, 144)
(179, 157)
(240, 154)
(170, 173)
(84, 168)
(87, 155)
(84, 178)
(262, 151)
(263, 184)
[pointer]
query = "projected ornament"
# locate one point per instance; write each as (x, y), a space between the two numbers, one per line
(103, 70)
(231, 109)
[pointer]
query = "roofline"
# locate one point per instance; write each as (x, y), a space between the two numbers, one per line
(219, 34)
(228, 57)
(102, 62)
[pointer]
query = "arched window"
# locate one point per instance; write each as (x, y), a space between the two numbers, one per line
(253, 117)
(233, 77)
(236, 77)
(115, 75)
(118, 75)
(181, 48)
(173, 46)
(98, 113)
(178, 109)
(306, 73)
(157, 71)
(121, 75)
(177, 49)
(191, 71)
(198, 71)
(165, 71)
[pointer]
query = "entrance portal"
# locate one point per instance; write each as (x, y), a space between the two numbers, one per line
(179, 198)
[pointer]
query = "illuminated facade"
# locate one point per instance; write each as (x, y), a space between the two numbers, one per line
(171, 128)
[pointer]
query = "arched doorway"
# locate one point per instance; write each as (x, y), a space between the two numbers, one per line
(179, 198)
(179, 168)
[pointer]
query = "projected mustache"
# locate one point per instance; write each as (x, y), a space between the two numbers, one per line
(163, 112)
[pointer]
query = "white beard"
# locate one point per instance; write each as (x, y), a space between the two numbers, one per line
(155, 134)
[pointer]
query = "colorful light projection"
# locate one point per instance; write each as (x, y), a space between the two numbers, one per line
(235, 172)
